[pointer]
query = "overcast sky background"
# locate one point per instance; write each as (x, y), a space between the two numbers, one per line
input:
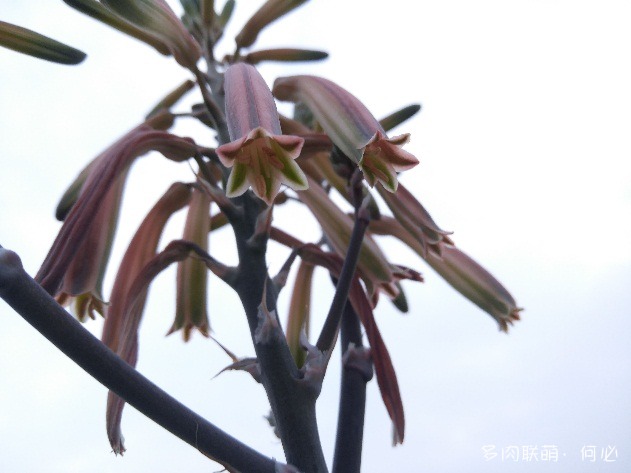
(524, 152)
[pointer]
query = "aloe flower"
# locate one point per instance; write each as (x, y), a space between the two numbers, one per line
(351, 127)
(476, 284)
(415, 219)
(192, 273)
(259, 154)
(372, 266)
(121, 327)
(83, 281)
(460, 271)
(100, 12)
(298, 318)
(80, 224)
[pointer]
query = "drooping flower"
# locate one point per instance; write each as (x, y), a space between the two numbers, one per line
(351, 127)
(476, 284)
(81, 287)
(415, 219)
(259, 154)
(124, 336)
(80, 224)
(120, 328)
(82, 284)
(372, 265)
(192, 274)
(300, 312)
(100, 12)
(462, 272)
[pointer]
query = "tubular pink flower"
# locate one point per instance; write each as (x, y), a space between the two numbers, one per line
(120, 328)
(260, 156)
(372, 266)
(351, 127)
(415, 219)
(463, 273)
(100, 12)
(476, 284)
(82, 285)
(80, 224)
(192, 273)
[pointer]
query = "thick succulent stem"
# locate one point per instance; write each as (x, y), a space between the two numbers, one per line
(292, 398)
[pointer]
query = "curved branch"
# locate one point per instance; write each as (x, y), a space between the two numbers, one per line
(40, 310)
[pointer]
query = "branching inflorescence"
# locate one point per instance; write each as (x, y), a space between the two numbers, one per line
(258, 161)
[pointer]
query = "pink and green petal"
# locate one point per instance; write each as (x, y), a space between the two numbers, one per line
(259, 155)
(350, 126)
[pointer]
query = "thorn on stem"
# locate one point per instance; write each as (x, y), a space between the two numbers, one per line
(315, 366)
(262, 228)
(359, 359)
(281, 278)
(267, 329)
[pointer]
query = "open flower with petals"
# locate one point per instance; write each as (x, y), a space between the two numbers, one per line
(351, 127)
(260, 156)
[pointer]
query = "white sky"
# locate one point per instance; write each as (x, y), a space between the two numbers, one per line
(524, 147)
